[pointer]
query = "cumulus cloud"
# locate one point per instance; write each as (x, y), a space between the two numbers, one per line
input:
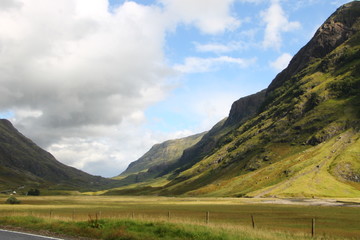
(72, 70)
(276, 23)
(210, 16)
(109, 153)
(9, 4)
(281, 62)
(77, 78)
(197, 65)
(76, 63)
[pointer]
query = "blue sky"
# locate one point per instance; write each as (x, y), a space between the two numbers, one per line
(97, 83)
(227, 82)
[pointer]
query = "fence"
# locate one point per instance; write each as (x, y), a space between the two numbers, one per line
(170, 216)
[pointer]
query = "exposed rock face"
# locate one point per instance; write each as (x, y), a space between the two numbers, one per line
(338, 28)
(245, 108)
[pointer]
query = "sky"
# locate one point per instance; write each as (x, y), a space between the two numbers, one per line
(97, 82)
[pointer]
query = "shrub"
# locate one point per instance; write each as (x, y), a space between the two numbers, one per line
(94, 223)
(33, 192)
(12, 200)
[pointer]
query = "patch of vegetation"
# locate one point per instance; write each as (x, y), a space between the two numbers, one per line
(12, 200)
(33, 192)
(132, 230)
(151, 215)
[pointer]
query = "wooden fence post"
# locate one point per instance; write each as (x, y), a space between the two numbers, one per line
(207, 217)
(168, 215)
(252, 221)
(132, 215)
(313, 227)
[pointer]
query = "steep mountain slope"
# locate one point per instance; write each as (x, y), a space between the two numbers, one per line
(241, 110)
(162, 154)
(303, 137)
(22, 162)
(159, 157)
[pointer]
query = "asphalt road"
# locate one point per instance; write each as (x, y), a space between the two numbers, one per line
(11, 235)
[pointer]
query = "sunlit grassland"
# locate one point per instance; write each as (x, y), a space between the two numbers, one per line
(121, 229)
(225, 213)
(316, 171)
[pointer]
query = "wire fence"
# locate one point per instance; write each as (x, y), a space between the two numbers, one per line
(310, 226)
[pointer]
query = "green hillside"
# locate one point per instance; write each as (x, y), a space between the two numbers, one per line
(150, 166)
(163, 153)
(301, 138)
(24, 165)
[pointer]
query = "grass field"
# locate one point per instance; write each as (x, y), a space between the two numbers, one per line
(229, 213)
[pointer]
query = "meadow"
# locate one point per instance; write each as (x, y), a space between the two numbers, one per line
(222, 218)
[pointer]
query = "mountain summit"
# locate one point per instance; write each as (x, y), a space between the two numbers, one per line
(298, 138)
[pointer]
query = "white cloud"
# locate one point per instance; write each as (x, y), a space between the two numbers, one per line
(77, 78)
(213, 47)
(281, 62)
(197, 65)
(276, 23)
(71, 72)
(9, 4)
(210, 16)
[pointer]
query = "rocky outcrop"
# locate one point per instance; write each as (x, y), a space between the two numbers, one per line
(245, 108)
(338, 28)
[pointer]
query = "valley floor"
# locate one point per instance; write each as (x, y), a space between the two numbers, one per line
(335, 218)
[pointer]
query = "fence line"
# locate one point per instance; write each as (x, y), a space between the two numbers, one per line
(75, 214)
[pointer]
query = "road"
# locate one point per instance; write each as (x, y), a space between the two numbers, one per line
(11, 235)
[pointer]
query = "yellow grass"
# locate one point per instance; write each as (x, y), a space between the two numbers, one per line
(232, 213)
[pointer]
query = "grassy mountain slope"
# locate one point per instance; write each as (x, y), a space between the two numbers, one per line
(303, 138)
(304, 107)
(162, 154)
(22, 162)
(151, 165)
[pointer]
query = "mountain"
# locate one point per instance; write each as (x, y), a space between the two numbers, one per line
(23, 163)
(163, 153)
(241, 110)
(298, 138)
(158, 158)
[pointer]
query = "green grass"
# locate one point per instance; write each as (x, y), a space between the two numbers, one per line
(109, 229)
(229, 217)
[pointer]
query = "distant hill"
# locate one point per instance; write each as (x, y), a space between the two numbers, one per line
(163, 153)
(158, 158)
(298, 138)
(23, 163)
